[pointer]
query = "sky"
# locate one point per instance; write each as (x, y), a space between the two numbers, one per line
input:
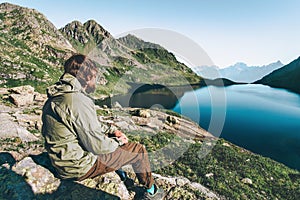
(256, 32)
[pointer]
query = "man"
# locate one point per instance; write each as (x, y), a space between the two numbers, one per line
(77, 143)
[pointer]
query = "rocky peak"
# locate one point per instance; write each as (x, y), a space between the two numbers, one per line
(76, 31)
(95, 29)
(90, 31)
(75, 25)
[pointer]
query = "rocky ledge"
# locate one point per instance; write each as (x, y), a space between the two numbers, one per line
(26, 172)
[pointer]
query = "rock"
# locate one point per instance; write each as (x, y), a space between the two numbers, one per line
(102, 81)
(144, 113)
(16, 155)
(207, 193)
(22, 96)
(117, 105)
(126, 125)
(10, 129)
(25, 135)
(3, 91)
(29, 179)
(209, 175)
(39, 178)
(13, 186)
(141, 113)
(40, 98)
(225, 144)
(21, 99)
(247, 181)
(27, 89)
(30, 121)
(181, 181)
(171, 120)
(153, 125)
(160, 179)
(20, 76)
(182, 188)
(177, 193)
(111, 183)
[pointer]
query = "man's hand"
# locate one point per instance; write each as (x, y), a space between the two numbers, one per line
(121, 136)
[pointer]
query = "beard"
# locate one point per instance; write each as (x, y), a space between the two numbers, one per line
(90, 89)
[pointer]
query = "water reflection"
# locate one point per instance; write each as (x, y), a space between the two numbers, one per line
(259, 118)
(149, 96)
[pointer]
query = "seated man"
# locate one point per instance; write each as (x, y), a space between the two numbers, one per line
(77, 143)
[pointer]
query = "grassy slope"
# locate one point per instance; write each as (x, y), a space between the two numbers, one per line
(229, 165)
(158, 65)
(286, 77)
(28, 46)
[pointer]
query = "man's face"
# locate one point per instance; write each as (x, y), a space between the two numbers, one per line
(91, 84)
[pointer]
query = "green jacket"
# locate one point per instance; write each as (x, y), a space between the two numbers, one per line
(73, 135)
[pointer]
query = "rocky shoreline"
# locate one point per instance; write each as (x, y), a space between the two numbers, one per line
(26, 171)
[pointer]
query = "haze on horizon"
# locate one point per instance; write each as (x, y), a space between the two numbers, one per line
(257, 32)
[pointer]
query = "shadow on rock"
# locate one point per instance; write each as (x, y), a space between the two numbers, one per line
(35, 178)
(7, 159)
(12, 185)
(72, 190)
(44, 161)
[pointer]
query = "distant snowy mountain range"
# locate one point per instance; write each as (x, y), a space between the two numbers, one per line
(240, 72)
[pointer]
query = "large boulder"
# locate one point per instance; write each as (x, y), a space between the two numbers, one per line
(9, 128)
(22, 95)
(34, 178)
(39, 178)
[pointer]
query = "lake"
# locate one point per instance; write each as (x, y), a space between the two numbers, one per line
(259, 118)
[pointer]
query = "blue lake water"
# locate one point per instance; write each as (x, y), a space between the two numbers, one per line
(259, 118)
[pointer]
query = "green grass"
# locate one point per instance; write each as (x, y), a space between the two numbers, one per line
(102, 112)
(2, 16)
(30, 111)
(16, 144)
(229, 165)
(39, 86)
(20, 44)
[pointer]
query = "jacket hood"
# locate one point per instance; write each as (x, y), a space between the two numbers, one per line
(67, 84)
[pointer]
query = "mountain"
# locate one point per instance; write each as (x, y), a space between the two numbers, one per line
(287, 77)
(133, 42)
(127, 59)
(240, 72)
(85, 37)
(31, 48)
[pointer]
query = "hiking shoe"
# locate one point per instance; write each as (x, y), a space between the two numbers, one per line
(158, 195)
(129, 183)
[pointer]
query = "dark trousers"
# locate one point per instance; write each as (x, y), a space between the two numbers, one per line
(130, 153)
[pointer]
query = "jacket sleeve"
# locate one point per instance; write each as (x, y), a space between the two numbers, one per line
(90, 132)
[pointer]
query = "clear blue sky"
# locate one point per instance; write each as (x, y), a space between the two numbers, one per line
(256, 32)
